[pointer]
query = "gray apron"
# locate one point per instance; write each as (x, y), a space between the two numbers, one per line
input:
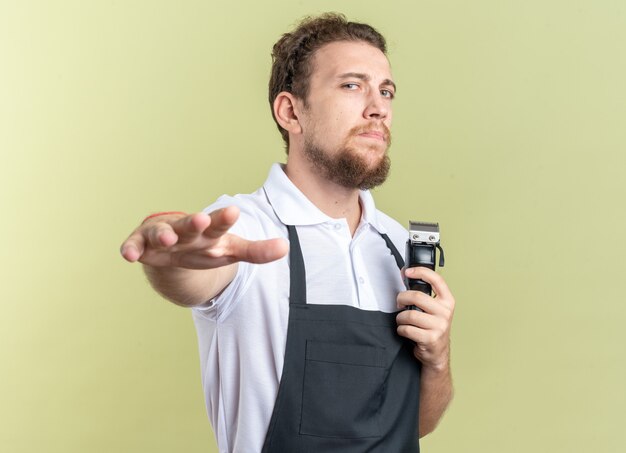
(350, 383)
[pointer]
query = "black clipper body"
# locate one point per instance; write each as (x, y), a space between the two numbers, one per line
(421, 250)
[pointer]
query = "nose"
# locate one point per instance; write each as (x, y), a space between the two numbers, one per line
(377, 107)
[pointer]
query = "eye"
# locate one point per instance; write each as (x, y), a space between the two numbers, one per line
(350, 86)
(387, 93)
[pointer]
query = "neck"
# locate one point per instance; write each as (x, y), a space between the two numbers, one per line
(332, 199)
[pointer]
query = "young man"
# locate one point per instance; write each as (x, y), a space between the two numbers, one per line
(296, 289)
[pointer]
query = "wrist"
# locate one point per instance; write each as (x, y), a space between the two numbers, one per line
(437, 365)
(436, 369)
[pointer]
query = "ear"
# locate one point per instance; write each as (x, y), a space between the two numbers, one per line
(286, 112)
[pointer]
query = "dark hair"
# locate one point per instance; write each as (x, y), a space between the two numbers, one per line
(292, 54)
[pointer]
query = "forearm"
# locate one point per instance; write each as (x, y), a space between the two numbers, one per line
(189, 287)
(435, 395)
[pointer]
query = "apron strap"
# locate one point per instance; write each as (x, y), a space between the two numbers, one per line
(297, 273)
(394, 251)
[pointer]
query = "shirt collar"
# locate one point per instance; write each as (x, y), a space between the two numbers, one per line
(292, 207)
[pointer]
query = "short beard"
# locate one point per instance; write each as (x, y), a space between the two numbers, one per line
(346, 168)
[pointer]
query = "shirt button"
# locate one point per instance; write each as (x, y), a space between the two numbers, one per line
(337, 226)
(361, 280)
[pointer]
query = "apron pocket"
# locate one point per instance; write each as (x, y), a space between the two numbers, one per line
(342, 392)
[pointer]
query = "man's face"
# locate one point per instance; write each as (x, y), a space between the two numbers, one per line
(347, 117)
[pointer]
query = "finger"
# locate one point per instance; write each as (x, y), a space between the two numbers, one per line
(133, 247)
(221, 221)
(257, 251)
(199, 261)
(413, 333)
(423, 337)
(417, 319)
(236, 250)
(438, 283)
(160, 235)
(188, 228)
(418, 299)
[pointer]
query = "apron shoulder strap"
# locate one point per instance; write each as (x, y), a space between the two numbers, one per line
(297, 273)
(394, 251)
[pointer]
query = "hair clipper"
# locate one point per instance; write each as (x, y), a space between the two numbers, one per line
(421, 250)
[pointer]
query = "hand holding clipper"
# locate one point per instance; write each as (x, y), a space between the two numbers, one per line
(421, 250)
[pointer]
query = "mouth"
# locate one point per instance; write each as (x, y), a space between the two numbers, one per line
(375, 135)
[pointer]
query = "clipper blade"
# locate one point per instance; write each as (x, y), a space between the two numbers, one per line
(423, 232)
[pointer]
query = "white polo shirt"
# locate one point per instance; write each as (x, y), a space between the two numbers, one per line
(242, 333)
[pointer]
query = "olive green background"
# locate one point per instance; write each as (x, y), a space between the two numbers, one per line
(510, 130)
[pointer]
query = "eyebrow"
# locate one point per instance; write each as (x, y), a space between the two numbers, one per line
(366, 78)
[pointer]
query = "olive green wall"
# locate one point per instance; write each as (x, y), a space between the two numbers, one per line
(510, 130)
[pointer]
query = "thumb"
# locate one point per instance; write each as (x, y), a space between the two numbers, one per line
(258, 251)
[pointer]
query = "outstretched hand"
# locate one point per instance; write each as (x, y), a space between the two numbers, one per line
(197, 241)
